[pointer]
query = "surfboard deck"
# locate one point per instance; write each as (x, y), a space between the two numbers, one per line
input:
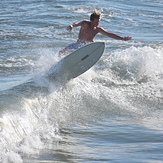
(77, 62)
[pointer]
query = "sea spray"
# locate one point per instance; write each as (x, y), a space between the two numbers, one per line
(25, 132)
(135, 63)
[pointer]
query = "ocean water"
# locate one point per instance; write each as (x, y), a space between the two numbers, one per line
(111, 113)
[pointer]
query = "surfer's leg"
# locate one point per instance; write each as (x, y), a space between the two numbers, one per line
(64, 52)
(69, 49)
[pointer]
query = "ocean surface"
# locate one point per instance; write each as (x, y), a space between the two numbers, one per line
(112, 113)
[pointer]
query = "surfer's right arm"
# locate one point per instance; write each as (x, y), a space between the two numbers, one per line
(76, 24)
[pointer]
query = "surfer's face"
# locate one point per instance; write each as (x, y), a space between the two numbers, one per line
(95, 22)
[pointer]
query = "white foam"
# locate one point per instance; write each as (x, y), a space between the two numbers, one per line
(24, 133)
(111, 87)
(135, 63)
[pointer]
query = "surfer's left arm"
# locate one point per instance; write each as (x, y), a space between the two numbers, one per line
(112, 35)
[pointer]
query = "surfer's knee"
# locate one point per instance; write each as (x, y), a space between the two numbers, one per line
(64, 52)
(61, 53)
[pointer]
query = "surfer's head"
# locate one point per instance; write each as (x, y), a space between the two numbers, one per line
(95, 18)
(95, 15)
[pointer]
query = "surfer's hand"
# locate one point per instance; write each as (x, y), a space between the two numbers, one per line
(69, 28)
(127, 38)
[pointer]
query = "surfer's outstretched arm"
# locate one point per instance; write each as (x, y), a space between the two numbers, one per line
(114, 36)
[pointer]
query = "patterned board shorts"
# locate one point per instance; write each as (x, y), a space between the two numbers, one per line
(70, 48)
(74, 46)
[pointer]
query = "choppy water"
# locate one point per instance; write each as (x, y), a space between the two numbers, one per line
(112, 113)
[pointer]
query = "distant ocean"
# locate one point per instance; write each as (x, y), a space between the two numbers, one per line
(112, 113)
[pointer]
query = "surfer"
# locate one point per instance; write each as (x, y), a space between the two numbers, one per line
(88, 30)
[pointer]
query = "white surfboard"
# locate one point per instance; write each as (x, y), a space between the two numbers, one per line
(77, 62)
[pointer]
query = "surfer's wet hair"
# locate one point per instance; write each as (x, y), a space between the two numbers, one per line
(95, 15)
